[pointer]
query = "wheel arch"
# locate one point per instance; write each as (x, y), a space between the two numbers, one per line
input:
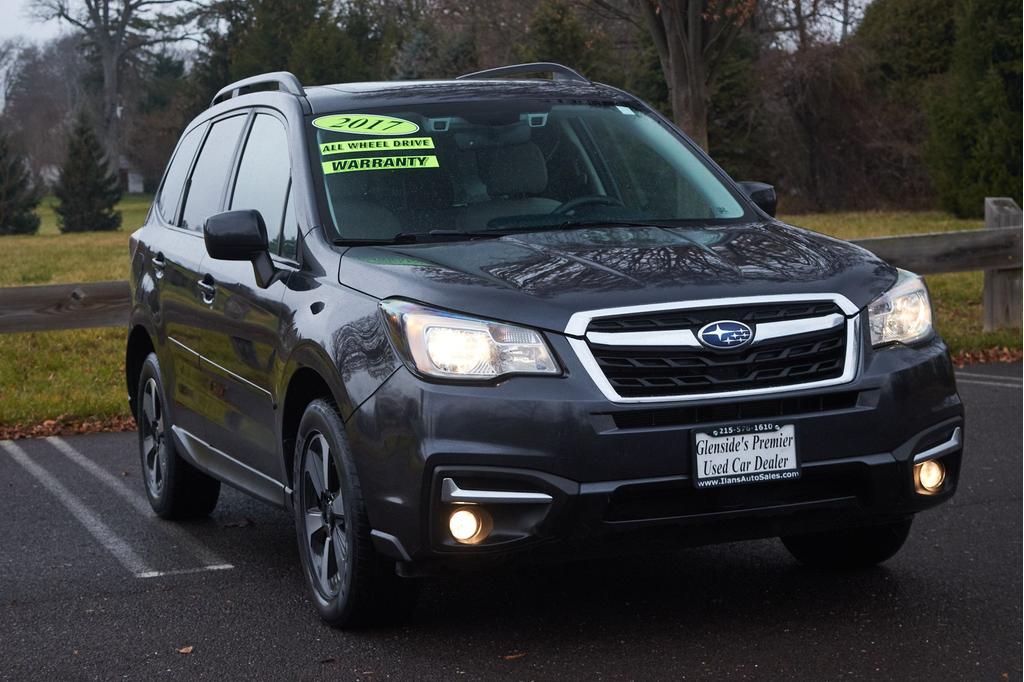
(309, 375)
(139, 346)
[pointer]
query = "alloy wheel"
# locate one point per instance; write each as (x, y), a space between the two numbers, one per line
(154, 439)
(323, 508)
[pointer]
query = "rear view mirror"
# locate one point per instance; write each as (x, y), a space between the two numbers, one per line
(762, 194)
(240, 235)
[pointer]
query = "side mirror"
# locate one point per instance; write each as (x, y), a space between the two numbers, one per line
(762, 194)
(240, 235)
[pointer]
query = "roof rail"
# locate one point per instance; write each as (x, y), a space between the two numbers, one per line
(285, 80)
(557, 71)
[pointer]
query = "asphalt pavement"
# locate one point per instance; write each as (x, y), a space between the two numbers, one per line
(93, 586)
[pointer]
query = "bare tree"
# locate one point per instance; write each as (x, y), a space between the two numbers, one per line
(692, 38)
(31, 112)
(115, 30)
(11, 51)
(800, 24)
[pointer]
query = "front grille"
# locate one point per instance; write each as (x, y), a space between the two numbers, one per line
(734, 411)
(664, 371)
(694, 319)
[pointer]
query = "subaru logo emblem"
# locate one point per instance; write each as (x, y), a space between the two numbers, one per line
(725, 334)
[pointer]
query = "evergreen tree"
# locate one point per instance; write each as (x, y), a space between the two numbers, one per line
(432, 52)
(556, 34)
(912, 40)
(974, 141)
(87, 189)
(19, 195)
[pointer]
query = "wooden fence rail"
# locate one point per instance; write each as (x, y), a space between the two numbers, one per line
(63, 306)
(996, 250)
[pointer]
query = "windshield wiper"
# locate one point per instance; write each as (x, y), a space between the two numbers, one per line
(610, 223)
(419, 237)
(416, 237)
(491, 234)
(400, 238)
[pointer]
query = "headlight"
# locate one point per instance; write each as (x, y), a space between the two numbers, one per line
(451, 346)
(903, 314)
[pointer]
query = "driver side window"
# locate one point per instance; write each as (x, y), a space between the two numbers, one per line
(264, 174)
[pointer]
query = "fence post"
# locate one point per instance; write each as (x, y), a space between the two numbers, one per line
(1002, 287)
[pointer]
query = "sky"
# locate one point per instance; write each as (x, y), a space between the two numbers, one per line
(15, 22)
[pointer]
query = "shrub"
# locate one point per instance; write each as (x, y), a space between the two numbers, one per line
(87, 189)
(19, 194)
(974, 142)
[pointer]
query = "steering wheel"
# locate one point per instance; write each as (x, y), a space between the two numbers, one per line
(596, 200)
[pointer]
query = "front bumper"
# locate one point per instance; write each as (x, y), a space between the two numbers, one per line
(618, 474)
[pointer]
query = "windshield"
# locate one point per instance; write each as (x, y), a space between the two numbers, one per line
(489, 167)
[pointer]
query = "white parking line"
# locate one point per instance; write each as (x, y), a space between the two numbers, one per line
(211, 562)
(990, 377)
(976, 382)
(99, 530)
(184, 571)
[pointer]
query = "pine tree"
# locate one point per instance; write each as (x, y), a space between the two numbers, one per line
(557, 34)
(974, 142)
(87, 189)
(19, 195)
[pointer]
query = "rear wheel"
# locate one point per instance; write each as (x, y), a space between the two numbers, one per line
(847, 548)
(175, 488)
(350, 583)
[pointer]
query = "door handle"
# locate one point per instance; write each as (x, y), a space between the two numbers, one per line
(208, 289)
(159, 264)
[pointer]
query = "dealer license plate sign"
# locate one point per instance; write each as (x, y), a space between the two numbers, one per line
(745, 453)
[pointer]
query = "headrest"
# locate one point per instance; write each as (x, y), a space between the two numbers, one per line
(515, 170)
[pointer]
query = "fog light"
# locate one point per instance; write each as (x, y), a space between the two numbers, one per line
(929, 476)
(469, 525)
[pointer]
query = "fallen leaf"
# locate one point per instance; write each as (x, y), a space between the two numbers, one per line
(512, 657)
(186, 650)
(240, 523)
(63, 426)
(988, 355)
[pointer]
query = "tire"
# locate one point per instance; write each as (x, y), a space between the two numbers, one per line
(176, 489)
(349, 582)
(849, 548)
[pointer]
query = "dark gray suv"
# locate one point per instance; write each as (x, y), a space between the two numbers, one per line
(455, 323)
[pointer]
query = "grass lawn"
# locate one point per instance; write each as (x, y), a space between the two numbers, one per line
(54, 258)
(78, 375)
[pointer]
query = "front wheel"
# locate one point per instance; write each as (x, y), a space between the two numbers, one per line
(349, 582)
(847, 548)
(175, 488)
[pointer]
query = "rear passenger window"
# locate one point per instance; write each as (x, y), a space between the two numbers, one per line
(263, 175)
(174, 180)
(206, 186)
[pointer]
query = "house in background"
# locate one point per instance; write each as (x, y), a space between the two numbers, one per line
(130, 177)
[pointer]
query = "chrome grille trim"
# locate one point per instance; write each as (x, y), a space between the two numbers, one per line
(685, 338)
(784, 328)
(577, 336)
(675, 337)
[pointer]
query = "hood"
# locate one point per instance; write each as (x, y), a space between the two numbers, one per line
(540, 279)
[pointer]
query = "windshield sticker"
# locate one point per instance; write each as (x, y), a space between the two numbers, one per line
(347, 146)
(365, 124)
(379, 163)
